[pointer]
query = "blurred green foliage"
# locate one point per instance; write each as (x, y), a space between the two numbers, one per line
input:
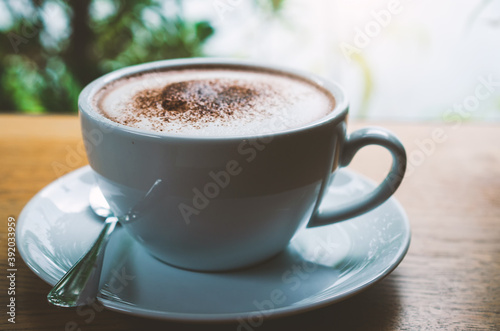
(50, 49)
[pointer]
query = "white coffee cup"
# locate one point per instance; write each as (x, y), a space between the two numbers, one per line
(201, 203)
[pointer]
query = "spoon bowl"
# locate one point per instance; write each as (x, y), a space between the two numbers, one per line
(98, 203)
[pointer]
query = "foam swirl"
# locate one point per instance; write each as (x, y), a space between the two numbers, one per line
(213, 102)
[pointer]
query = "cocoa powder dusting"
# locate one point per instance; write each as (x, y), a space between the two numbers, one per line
(195, 102)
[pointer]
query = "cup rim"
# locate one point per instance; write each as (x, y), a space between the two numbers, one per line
(85, 104)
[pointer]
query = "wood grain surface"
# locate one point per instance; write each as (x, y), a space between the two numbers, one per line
(449, 280)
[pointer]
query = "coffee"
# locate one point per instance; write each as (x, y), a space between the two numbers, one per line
(213, 101)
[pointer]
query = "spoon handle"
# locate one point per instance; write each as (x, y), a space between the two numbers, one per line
(80, 285)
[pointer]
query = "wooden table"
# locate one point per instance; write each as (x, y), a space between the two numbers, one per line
(449, 280)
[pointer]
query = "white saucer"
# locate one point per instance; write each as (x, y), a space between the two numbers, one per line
(321, 266)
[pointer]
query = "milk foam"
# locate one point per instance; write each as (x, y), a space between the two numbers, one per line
(276, 102)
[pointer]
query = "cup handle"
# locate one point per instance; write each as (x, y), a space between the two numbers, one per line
(353, 143)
